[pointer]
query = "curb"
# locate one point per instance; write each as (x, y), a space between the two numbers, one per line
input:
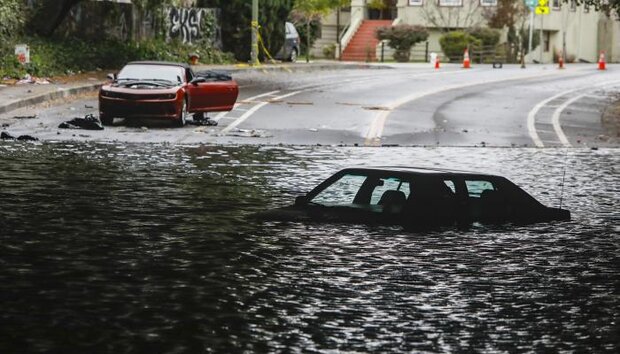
(59, 93)
(291, 68)
(72, 91)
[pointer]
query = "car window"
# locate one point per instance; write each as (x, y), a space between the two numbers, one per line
(146, 72)
(450, 185)
(290, 29)
(389, 184)
(342, 191)
(476, 187)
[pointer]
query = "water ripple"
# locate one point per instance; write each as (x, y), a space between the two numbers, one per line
(125, 248)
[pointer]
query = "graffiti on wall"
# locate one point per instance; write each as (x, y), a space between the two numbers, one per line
(191, 25)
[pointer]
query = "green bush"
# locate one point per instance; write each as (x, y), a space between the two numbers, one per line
(453, 44)
(329, 51)
(49, 57)
(488, 36)
(402, 38)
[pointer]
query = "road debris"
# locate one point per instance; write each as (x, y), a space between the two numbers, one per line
(89, 122)
(34, 116)
(202, 120)
(7, 136)
(250, 133)
(376, 108)
(28, 79)
(299, 103)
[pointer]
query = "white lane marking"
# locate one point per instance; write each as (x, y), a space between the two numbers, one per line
(252, 110)
(375, 131)
(531, 116)
(555, 119)
(259, 105)
(247, 100)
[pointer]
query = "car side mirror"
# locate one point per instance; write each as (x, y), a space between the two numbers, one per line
(111, 76)
(198, 80)
(301, 200)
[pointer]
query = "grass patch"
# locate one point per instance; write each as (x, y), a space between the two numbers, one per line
(53, 57)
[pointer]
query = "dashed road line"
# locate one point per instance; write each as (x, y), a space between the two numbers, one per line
(251, 111)
(239, 103)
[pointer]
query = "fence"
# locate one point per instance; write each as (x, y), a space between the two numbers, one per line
(419, 53)
(501, 53)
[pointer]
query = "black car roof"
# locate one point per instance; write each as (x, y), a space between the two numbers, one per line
(415, 170)
(169, 63)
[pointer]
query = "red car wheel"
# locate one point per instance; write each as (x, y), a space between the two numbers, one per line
(183, 114)
(105, 120)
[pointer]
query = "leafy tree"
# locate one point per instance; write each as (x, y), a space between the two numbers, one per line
(10, 18)
(606, 6)
(236, 19)
(313, 10)
(402, 38)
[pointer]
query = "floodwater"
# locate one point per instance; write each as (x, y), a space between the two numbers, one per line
(148, 248)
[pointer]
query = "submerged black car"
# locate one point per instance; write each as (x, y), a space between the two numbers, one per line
(416, 198)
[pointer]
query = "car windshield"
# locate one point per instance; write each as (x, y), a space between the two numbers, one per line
(152, 73)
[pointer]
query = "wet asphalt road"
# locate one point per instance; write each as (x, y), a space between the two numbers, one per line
(389, 105)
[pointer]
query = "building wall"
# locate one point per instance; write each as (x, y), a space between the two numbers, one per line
(430, 14)
(329, 35)
(578, 25)
(585, 31)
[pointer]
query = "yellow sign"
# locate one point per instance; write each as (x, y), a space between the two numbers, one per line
(542, 8)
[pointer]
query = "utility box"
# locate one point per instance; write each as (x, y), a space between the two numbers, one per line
(22, 52)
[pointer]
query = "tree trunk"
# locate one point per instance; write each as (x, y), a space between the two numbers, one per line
(48, 15)
(308, 41)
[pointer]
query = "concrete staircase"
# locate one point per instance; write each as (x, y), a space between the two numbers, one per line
(362, 46)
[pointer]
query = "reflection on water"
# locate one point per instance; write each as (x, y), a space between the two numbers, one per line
(147, 247)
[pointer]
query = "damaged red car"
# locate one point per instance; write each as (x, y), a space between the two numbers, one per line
(163, 90)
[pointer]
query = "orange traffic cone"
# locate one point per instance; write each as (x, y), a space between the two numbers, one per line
(601, 61)
(466, 62)
(437, 63)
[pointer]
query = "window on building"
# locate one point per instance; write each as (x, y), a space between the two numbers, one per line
(450, 2)
(557, 4)
(415, 2)
(488, 2)
(573, 5)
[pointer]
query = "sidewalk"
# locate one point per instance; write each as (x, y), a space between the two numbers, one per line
(13, 97)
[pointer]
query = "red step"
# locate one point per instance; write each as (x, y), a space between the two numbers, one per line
(362, 45)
